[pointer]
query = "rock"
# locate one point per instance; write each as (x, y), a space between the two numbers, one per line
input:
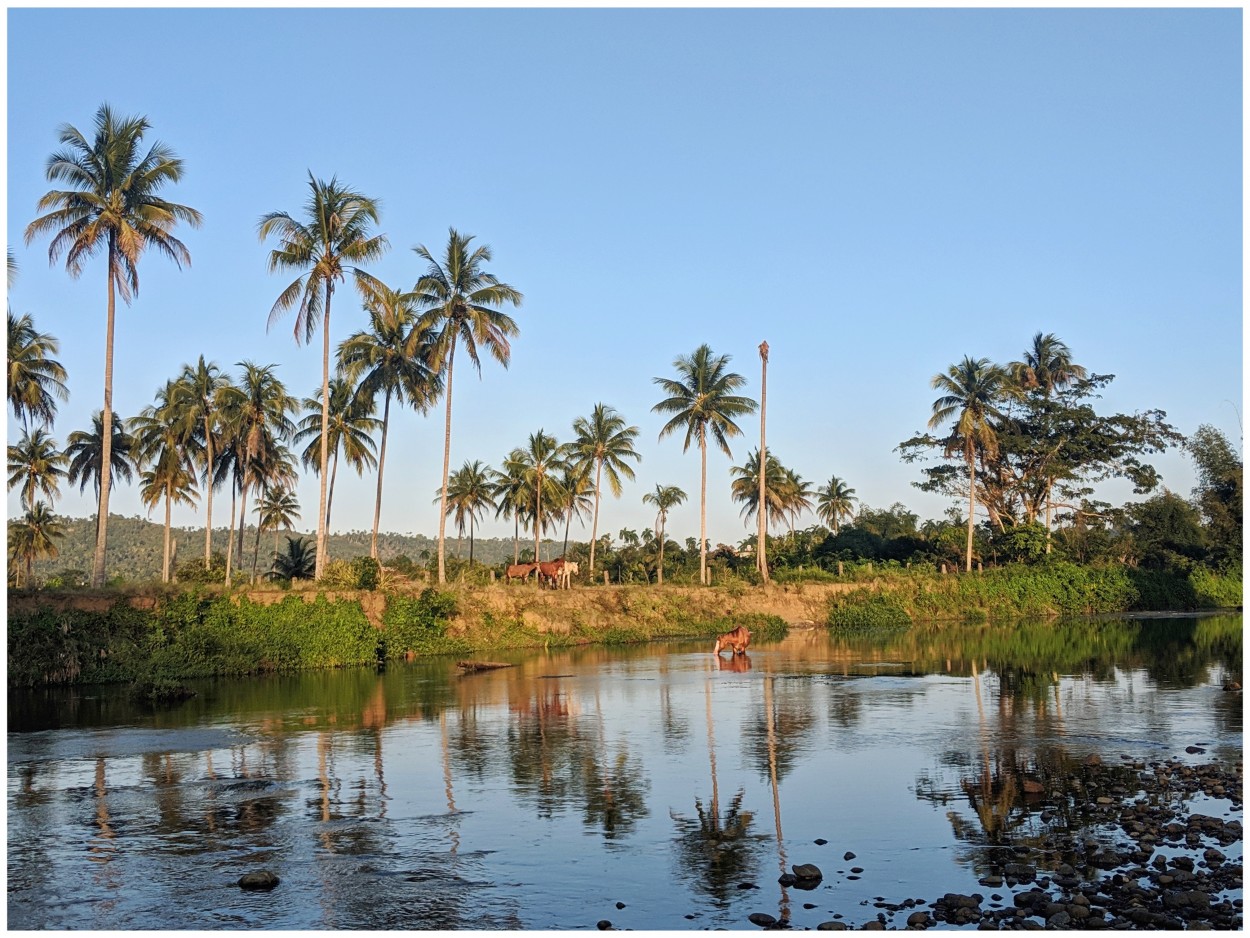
(820, 841)
(1032, 787)
(762, 919)
(603, 925)
(1093, 759)
(261, 879)
(919, 920)
(748, 886)
(787, 879)
(832, 926)
(807, 871)
(848, 856)
(874, 925)
(620, 905)
(1021, 872)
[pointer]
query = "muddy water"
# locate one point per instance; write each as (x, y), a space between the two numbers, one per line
(644, 785)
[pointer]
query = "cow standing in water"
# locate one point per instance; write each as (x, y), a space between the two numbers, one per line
(736, 641)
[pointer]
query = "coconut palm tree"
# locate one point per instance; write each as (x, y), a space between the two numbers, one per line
(574, 488)
(197, 397)
(461, 303)
(543, 458)
(512, 496)
(702, 401)
(34, 536)
(663, 498)
(165, 446)
(604, 440)
(972, 391)
(470, 491)
(391, 357)
(112, 205)
(85, 451)
(331, 241)
(834, 502)
(254, 415)
(37, 466)
(797, 496)
(745, 487)
(350, 427)
(298, 563)
(36, 380)
(277, 508)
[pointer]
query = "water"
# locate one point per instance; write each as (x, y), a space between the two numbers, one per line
(542, 795)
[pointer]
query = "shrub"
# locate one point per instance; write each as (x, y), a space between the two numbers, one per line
(865, 610)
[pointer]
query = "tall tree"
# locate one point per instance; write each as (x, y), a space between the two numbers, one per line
(165, 445)
(834, 502)
(664, 498)
(746, 486)
(1218, 494)
(34, 536)
(543, 458)
(36, 379)
(761, 537)
(332, 239)
(461, 302)
(85, 451)
(574, 487)
(391, 357)
(512, 497)
(702, 400)
(350, 426)
(198, 399)
(971, 393)
(111, 205)
(470, 491)
(37, 466)
(276, 508)
(605, 441)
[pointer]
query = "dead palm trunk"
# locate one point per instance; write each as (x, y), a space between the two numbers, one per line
(442, 511)
(761, 546)
(322, 527)
(377, 505)
(106, 436)
(703, 507)
(594, 528)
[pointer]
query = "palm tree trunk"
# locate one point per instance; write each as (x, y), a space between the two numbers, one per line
(972, 505)
(594, 528)
(516, 538)
(1048, 485)
(703, 508)
(442, 508)
(165, 563)
(106, 423)
(761, 544)
(377, 505)
(470, 542)
(234, 494)
(567, 522)
(242, 519)
(255, 553)
(660, 573)
(334, 472)
(322, 528)
(208, 496)
(538, 516)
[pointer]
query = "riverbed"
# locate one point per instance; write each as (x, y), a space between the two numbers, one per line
(650, 787)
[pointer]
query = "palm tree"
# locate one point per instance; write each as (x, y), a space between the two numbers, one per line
(36, 380)
(543, 458)
(37, 466)
(604, 440)
(470, 491)
(663, 498)
(392, 356)
(112, 204)
(512, 496)
(702, 401)
(165, 444)
(574, 489)
(833, 502)
(34, 536)
(254, 413)
(1047, 367)
(350, 426)
(298, 563)
(746, 486)
(333, 238)
(797, 496)
(85, 451)
(461, 301)
(198, 398)
(971, 392)
(276, 509)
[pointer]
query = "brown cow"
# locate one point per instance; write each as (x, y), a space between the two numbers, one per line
(520, 571)
(736, 640)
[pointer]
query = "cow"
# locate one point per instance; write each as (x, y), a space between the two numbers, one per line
(519, 571)
(736, 641)
(567, 571)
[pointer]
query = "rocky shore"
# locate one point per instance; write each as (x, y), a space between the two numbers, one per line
(1132, 845)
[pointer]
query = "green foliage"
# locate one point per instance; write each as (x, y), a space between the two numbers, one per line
(1216, 590)
(367, 572)
(866, 610)
(420, 625)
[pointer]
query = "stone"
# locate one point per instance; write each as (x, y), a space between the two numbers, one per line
(919, 920)
(832, 926)
(260, 879)
(848, 856)
(807, 871)
(762, 919)
(603, 925)
(621, 905)
(819, 841)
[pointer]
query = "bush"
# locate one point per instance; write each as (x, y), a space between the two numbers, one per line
(1216, 590)
(865, 610)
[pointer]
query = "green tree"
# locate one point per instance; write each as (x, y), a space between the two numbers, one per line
(34, 537)
(702, 400)
(277, 508)
(333, 239)
(461, 301)
(391, 357)
(972, 392)
(37, 466)
(543, 457)
(574, 487)
(350, 427)
(197, 397)
(470, 491)
(111, 205)
(36, 379)
(835, 502)
(1219, 493)
(512, 497)
(664, 498)
(745, 487)
(298, 563)
(85, 452)
(605, 441)
(165, 445)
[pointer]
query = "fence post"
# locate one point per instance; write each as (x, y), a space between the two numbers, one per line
(943, 569)
(839, 568)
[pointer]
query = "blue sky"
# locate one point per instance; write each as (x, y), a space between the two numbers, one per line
(875, 193)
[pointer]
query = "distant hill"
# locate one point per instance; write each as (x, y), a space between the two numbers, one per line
(136, 546)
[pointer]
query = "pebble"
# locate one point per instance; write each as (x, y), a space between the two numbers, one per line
(261, 879)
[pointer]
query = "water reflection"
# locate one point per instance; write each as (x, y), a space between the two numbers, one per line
(507, 799)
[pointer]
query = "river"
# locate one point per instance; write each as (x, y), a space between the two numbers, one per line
(651, 786)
